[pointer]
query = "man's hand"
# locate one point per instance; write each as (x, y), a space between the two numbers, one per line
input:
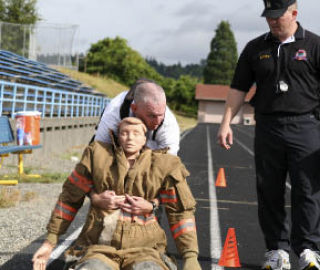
(234, 102)
(42, 255)
(225, 136)
(136, 205)
(107, 200)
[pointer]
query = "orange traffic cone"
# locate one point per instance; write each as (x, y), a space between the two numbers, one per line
(221, 178)
(229, 256)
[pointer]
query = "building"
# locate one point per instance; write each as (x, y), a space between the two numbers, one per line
(212, 99)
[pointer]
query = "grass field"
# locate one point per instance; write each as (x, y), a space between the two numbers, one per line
(103, 85)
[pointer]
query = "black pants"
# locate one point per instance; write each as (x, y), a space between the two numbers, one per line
(288, 145)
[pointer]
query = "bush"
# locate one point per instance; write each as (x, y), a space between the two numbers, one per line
(115, 59)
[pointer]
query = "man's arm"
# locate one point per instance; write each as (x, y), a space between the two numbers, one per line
(110, 118)
(67, 206)
(180, 207)
(233, 104)
(70, 200)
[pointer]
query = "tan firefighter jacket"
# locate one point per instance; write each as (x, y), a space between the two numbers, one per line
(154, 175)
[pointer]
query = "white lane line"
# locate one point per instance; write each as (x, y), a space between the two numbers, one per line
(245, 133)
(244, 146)
(252, 154)
(215, 241)
(64, 245)
(185, 134)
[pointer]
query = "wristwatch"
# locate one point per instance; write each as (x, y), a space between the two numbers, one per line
(154, 207)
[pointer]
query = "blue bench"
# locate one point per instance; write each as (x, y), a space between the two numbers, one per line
(6, 148)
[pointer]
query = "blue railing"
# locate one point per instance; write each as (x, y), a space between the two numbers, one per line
(49, 102)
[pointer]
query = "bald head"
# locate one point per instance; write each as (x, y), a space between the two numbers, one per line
(149, 92)
(149, 104)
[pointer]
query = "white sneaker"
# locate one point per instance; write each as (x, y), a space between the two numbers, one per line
(309, 260)
(276, 260)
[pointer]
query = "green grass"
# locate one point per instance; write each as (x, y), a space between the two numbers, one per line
(44, 178)
(9, 197)
(29, 196)
(69, 155)
(185, 123)
(101, 84)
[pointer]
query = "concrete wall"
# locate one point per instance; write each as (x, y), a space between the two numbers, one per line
(248, 115)
(210, 111)
(57, 136)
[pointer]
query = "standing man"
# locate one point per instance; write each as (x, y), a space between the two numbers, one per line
(145, 100)
(285, 65)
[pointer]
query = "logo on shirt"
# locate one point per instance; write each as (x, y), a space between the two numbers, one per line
(264, 56)
(301, 55)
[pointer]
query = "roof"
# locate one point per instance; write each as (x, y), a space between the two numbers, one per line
(218, 92)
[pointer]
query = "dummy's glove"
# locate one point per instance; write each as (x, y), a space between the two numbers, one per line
(190, 261)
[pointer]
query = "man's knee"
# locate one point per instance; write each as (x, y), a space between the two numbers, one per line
(93, 264)
(146, 265)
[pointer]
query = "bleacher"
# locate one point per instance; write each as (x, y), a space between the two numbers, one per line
(27, 85)
(15, 68)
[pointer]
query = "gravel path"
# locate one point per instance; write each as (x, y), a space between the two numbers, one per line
(25, 222)
(22, 224)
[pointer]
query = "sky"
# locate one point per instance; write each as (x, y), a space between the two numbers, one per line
(170, 31)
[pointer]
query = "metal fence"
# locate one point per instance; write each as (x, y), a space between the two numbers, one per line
(52, 44)
(49, 102)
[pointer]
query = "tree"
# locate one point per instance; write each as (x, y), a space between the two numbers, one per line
(222, 58)
(177, 70)
(114, 58)
(20, 15)
(19, 11)
(184, 95)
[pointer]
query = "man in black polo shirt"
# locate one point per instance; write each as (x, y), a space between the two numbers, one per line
(285, 66)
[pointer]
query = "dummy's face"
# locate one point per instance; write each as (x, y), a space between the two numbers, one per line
(131, 138)
(151, 114)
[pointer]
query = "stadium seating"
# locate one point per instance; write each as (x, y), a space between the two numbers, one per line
(27, 85)
(17, 69)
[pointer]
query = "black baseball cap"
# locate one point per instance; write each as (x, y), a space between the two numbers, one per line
(276, 8)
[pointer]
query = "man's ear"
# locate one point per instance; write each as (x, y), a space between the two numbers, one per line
(133, 107)
(295, 13)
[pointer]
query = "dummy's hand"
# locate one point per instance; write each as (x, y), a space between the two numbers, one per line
(42, 255)
(225, 136)
(191, 263)
(107, 200)
(136, 205)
